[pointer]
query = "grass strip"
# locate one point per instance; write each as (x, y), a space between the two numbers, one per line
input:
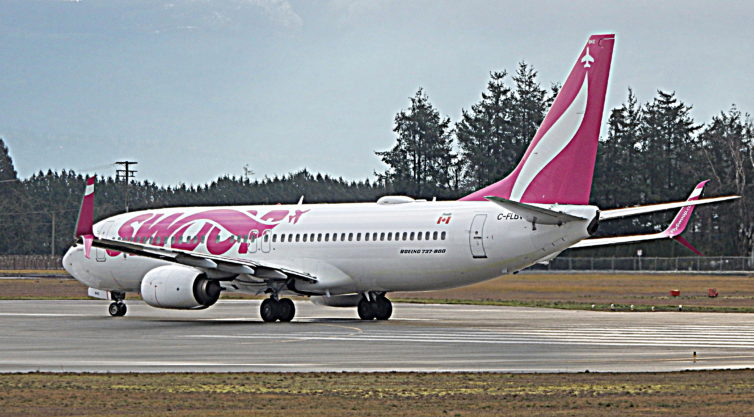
(708, 393)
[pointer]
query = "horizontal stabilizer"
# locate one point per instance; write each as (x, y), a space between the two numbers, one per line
(534, 214)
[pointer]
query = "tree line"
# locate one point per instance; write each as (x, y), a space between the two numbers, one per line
(650, 152)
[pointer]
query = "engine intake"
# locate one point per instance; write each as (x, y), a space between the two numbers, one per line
(179, 287)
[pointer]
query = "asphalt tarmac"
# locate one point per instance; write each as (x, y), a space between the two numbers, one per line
(80, 336)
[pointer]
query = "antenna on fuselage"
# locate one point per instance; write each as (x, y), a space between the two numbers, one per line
(300, 201)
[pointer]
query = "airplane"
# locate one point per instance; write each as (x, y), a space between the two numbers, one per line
(354, 254)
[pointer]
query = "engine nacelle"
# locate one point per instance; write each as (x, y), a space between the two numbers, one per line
(180, 287)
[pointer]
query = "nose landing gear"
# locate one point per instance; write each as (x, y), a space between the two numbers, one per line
(117, 308)
(374, 306)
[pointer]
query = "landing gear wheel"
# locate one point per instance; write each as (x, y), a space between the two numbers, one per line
(117, 309)
(286, 309)
(269, 310)
(384, 308)
(365, 309)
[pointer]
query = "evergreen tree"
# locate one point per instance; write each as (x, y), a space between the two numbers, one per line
(486, 137)
(529, 106)
(421, 162)
(617, 177)
(727, 146)
(667, 148)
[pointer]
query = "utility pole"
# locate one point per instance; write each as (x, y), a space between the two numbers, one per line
(125, 174)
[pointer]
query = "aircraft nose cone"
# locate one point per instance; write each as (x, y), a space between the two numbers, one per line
(68, 264)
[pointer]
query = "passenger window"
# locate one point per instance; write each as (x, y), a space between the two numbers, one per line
(334, 237)
(382, 236)
(374, 236)
(266, 237)
(390, 236)
(342, 237)
(442, 236)
(366, 237)
(298, 237)
(411, 236)
(405, 235)
(274, 238)
(319, 237)
(327, 237)
(358, 237)
(419, 236)
(426, 236)
(350, 237)
(305, 236)
(434, 236)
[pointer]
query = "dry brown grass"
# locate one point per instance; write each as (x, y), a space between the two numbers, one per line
(563, 290)
(626, 289)
(715, 393)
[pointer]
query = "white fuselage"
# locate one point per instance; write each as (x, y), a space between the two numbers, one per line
(348, 248)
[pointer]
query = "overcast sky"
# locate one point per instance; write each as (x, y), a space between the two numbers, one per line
(195, 89)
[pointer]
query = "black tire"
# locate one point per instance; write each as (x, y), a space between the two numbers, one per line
(269, 310)
(113, 309)
(117, 309)
(384, 308)
(287, 309)
(365, 309)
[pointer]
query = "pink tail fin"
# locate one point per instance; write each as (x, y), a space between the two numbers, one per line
(86, 213)
(559, 163)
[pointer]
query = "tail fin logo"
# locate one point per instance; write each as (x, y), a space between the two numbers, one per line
(587, 59)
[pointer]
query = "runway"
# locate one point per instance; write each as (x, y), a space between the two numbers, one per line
(63, 336)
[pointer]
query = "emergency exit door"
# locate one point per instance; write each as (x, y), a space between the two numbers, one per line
(476, 236)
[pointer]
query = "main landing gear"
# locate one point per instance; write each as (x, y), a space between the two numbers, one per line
(274, 309)
(118, 307)
(374, 306)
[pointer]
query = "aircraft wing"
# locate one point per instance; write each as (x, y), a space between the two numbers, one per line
(634, 211)
(673, 231)
(215, 264)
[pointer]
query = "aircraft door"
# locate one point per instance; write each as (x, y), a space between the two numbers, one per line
(264, 241)
(253, 241)
(99, 253)
(476, 236)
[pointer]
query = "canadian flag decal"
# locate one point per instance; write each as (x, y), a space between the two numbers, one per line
(444, 219)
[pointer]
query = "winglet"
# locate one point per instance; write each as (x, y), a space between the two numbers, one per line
(86, 213)
(85, 222)
(678, 225)
(681, 220)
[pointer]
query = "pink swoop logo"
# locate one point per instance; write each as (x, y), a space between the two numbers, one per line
(217, 228)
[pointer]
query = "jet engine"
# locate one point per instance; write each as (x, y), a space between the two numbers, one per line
(179, 287)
